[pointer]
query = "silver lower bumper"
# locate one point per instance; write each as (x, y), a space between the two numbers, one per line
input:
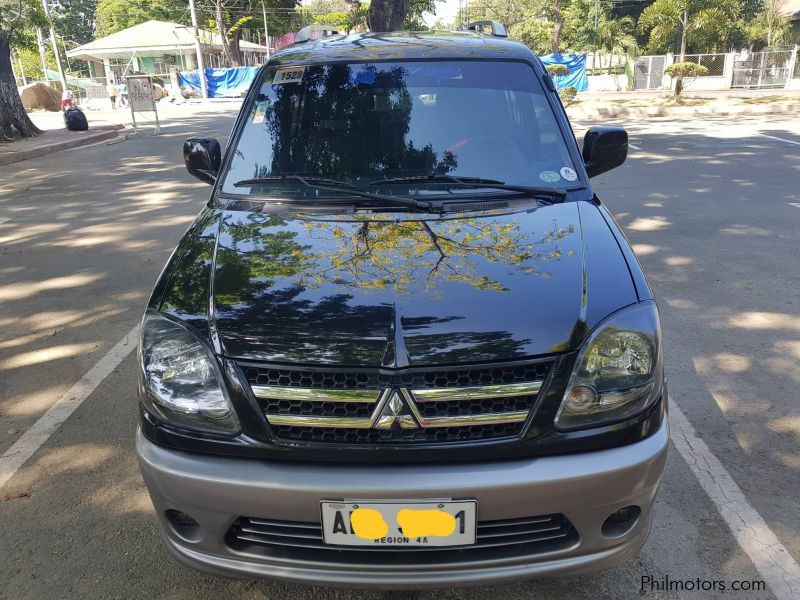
(586, 487)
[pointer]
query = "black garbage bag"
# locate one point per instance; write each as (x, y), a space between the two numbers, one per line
(75, 120)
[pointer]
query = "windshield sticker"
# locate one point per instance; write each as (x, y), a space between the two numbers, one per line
(549, 176)
(288, 75)
(569, 174)
(261, 110)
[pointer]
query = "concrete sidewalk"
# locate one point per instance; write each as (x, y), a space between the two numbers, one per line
(54, 140)
(587, 110)
(103, 125)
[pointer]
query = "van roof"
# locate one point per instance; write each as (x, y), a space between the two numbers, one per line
(403, 45)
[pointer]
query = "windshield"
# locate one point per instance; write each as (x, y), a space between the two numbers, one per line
(362, 124)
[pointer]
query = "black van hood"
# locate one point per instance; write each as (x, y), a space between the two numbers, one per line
(399, 290)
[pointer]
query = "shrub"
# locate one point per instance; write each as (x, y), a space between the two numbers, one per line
(568, 95)
(557, 70)
(684, 70)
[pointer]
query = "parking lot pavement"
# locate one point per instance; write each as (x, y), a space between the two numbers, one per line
(707, 206)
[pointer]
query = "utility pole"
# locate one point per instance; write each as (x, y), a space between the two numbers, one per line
(55, 47)
(266, 28)
(596, 13)
(21, 70)
(199, 51)
(40, 42)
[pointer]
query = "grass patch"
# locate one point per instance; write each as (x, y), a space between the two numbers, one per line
(767, 99)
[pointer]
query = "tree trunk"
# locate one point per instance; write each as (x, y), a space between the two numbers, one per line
(684, 24)
(387, 15)
(682, 55)
(353, 6)
(12, 113)
(230, 48)
(235, 48)
(555, 43)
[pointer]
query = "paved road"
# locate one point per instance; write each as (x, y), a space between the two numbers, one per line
(706, 205)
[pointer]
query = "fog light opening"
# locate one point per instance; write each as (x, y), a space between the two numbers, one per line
(184, 525)
(621, 522)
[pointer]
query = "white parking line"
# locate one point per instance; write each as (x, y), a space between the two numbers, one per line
(49, 422)
(634, 147)
(795, 204)
(769, 556)
(4, 221)
(772, 137)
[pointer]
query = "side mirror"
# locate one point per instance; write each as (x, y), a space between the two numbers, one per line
(203, 158)
(604, 148)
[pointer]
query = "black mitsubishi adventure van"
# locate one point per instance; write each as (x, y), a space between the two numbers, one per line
(404, 344)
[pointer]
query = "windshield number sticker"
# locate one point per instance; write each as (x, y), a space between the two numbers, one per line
(288, 75)
(549, 176)
(569, 174)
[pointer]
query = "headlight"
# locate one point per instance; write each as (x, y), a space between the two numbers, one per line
(618, 371)
(181, 379)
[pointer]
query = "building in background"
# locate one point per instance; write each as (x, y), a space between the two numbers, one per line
(790, 9)
(153, 47)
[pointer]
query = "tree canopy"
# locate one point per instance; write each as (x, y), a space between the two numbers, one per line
(115, 15)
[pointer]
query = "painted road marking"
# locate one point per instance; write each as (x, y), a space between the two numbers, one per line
(769, 556)
(634, 147)
(49, 422)
(795, 204)
(4, 221)
(772, 137)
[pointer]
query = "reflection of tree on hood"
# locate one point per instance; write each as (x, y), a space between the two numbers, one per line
(347, 125)
(376, 254)
(254, 254)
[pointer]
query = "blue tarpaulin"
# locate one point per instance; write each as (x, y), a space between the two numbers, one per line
(576, 63)
(221, 82)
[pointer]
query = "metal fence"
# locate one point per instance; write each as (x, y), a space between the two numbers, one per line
(762, 69)
(648, 72)
(97, 97)
(715, 63)
(796, 66)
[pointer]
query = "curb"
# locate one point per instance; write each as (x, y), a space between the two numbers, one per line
(579, 112)
(108, 132)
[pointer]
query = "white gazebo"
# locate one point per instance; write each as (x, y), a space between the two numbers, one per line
(155, 46)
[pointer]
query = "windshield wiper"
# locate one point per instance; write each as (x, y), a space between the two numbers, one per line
(331, 185)
(477, 182)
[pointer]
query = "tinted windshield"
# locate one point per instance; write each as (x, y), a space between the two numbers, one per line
(361, 123)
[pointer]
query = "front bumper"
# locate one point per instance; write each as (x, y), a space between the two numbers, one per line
(585, 487)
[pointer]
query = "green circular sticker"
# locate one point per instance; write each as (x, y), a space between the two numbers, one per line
(549, 176)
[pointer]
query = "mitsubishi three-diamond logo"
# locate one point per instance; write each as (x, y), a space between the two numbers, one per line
(396, 411)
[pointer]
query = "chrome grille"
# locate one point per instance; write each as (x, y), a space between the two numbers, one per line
(373, 407)
(494, 539)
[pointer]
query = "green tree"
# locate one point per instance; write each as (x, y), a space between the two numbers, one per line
(705, 25)
(616, 37)
(229, 17)
(345, 16)
(74, 19)
(115, 15)
(17, 22)
(579, 24)
(768, 27)
(534, 33)
(508, 13)
(529, 21)
(32, 61)
(392, 15)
